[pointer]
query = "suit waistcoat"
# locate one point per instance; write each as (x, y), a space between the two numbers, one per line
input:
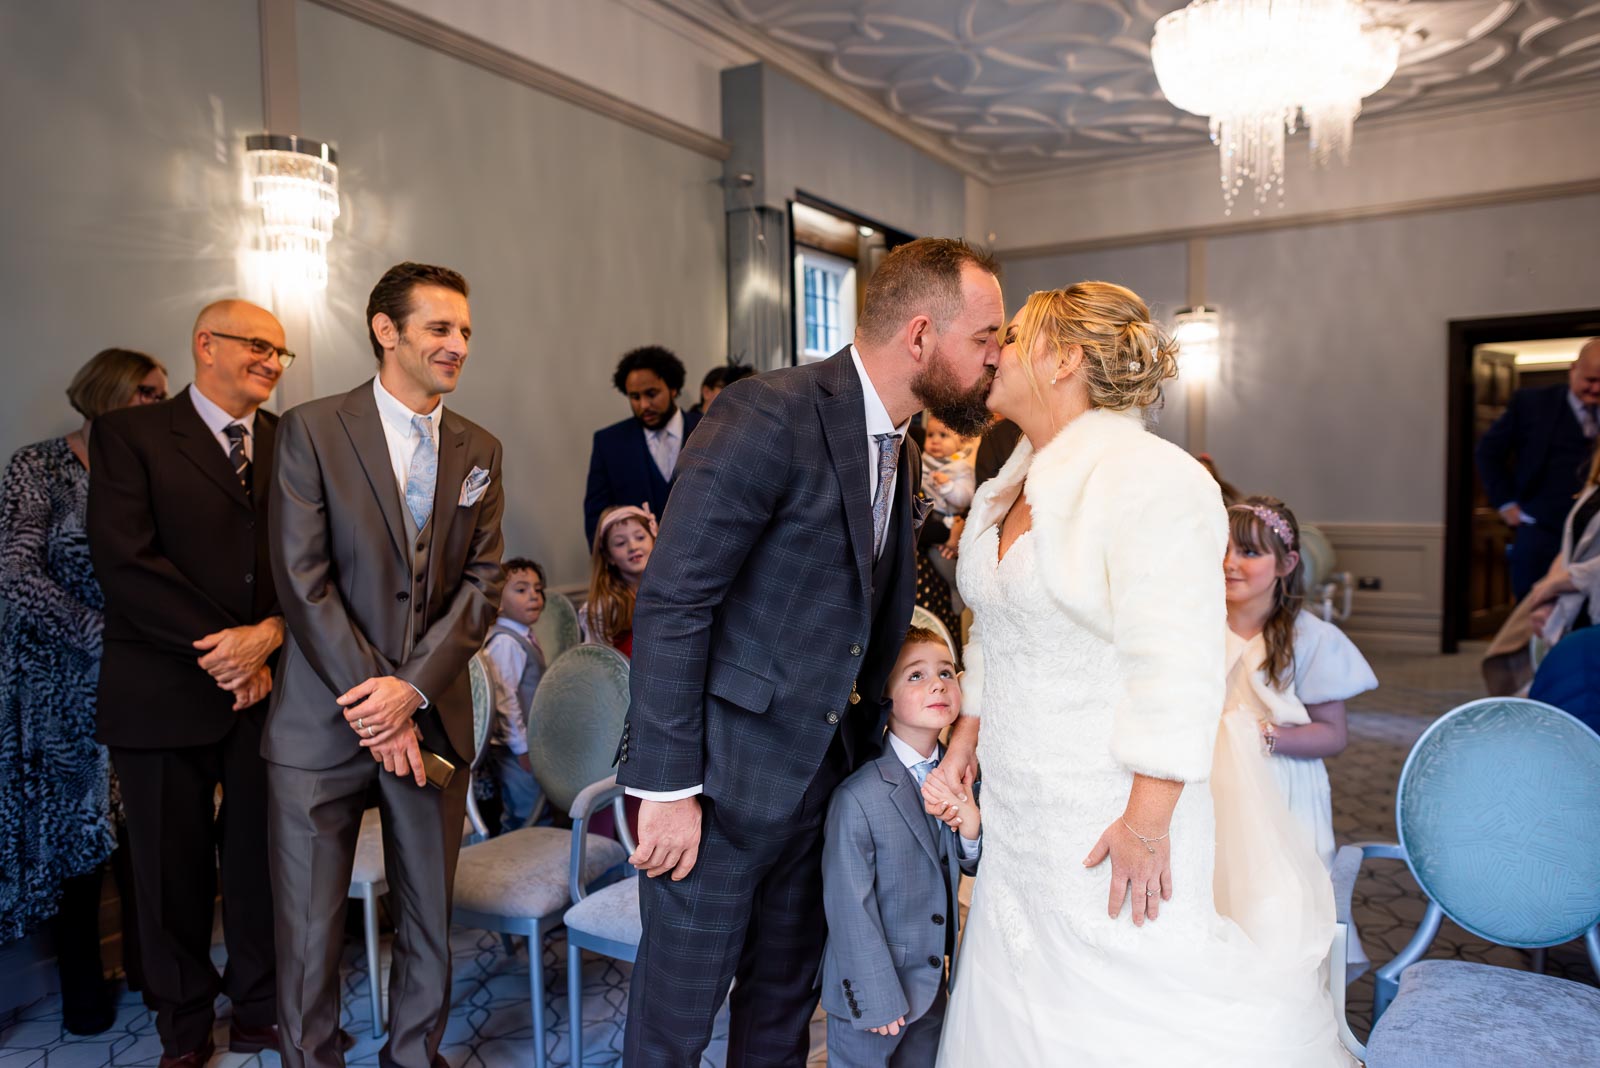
(427, 719)
(532, 668)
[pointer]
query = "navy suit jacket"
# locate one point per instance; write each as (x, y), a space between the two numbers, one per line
(1514, 454)
(622, 471)
(754, 620)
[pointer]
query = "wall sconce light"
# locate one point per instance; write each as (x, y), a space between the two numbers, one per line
(295, 181)
(1199, 334)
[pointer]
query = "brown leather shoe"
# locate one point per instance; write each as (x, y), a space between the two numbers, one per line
(256, 1039)
(192, 1059)
(242, 1039)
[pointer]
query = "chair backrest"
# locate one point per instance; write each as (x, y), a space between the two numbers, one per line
(482, 706)
(1497, 810)
(557, 629)
(921, 617)
(575, 720)
(1316, 554)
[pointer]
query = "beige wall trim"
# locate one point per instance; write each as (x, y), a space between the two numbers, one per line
(442, 38)
(1314, 218)
(809, 73)
(280, 68)
(1408, 558)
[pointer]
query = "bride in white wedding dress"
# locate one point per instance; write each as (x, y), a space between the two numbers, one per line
(1101, 931)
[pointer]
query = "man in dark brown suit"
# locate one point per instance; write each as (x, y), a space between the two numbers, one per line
(386, 549)
(177, 529)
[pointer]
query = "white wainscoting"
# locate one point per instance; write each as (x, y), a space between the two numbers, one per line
(1405, 615)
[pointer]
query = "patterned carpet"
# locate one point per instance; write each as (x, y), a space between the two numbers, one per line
(490, 1023)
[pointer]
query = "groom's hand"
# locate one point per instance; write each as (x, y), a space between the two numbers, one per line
(669, 837)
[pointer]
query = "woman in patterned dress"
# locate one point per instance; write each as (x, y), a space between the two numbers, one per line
(56, 820)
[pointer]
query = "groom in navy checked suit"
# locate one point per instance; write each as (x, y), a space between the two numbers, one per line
(776, 601)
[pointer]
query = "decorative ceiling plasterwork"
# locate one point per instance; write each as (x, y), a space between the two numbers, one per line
(1024, 86)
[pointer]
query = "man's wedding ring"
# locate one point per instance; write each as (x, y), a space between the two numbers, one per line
(372, 732)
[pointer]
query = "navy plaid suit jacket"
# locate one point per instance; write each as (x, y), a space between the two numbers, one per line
(754, 621)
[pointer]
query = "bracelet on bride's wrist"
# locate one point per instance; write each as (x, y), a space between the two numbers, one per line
(1147, 841)
(1269, 737)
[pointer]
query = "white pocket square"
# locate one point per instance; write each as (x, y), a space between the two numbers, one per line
(472, 487)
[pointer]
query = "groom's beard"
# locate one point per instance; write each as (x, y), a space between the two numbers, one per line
(965, 411)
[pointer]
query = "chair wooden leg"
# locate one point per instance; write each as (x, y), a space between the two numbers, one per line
(574, 1004)
(536, 992)
(369, 924)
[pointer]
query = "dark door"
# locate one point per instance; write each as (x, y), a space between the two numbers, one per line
(1476, 586)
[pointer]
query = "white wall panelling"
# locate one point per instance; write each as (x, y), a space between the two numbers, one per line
(1408, 560)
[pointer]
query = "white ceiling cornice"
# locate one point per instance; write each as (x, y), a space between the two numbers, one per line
(715, 22)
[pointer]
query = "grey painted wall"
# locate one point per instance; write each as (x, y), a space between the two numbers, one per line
(793, 139)
(1332, 393)
(123, 208)
(581, 238)
(1158, 273)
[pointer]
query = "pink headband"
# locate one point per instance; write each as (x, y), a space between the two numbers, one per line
(617, 515)
(1275, 522)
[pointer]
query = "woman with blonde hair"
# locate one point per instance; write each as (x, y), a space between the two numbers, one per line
(1568, 597)
(1096, 662)
(57, 821)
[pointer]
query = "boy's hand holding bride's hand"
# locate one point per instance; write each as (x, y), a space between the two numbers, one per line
(953, 805)
(891, 1028)
(1135, 869)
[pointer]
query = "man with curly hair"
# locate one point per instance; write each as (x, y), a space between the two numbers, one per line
(634, 461)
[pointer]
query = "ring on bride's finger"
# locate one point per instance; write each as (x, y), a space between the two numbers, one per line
(1149, 893)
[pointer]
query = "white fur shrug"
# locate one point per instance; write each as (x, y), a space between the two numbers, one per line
(1130, 535)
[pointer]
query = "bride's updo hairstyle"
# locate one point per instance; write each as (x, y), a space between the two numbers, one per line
(1126, 357)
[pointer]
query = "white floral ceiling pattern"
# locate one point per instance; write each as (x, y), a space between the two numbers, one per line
(1021, 86)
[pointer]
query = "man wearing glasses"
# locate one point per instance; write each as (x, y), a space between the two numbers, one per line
(177, 526)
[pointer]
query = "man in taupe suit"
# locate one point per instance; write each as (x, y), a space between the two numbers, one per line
(386, 550)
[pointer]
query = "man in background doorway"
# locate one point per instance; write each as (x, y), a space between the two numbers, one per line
(633, 462)
(1533, 460)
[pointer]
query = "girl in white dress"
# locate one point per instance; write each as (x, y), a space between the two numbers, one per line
(1295, 670)
(1097, 665)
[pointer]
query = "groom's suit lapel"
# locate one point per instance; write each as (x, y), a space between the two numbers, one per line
(844, 422)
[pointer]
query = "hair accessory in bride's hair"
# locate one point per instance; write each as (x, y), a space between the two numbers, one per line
(1135, 366)
(1275, 522)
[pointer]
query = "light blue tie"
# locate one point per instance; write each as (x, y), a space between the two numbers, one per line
(888, 458)
(921, 769)
(424, 473)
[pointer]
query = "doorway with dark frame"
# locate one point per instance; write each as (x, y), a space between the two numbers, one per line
(1489, 360)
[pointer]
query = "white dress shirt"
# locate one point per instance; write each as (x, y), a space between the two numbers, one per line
(216, 420)
(878, 422)
(509, 660)
(665, 444)
(911, 758)
(399, 434)
(401, 438)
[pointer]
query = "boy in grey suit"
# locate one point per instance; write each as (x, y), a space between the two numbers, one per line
(890, 873)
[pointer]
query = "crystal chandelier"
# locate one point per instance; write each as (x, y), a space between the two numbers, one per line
(295, 182)
(1255, 67)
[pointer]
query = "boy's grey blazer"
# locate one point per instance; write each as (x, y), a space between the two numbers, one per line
(885, 866)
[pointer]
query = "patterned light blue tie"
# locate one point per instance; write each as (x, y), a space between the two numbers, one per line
(921, 769)
(888, 458)
(424, 473)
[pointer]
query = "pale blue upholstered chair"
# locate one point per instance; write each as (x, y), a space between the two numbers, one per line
(517, 883)
(604, 921)
(557, 628)
(1498, 809)
(921, 617)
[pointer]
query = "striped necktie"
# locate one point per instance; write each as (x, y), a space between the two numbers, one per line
(236, 455)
